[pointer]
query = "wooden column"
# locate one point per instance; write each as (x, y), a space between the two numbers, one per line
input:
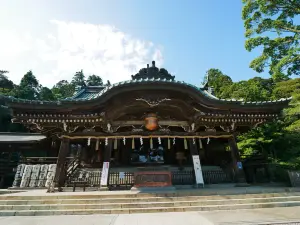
(60, 174)
(106, 161)
(237, 164)
(196, 163)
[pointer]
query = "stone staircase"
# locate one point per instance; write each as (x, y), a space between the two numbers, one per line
(126, 202)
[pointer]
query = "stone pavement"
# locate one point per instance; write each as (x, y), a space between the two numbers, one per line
(289, 215)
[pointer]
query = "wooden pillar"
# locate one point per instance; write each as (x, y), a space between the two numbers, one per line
(106, 161)
(237, 164)
(196, 163)
(60, 173)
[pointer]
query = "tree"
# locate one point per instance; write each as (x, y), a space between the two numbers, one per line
(217, 80)
(79, 79)
(94, 80)
(29, 87)
(273, 141)
(270, 24)
(286, 89)
(63, 89)
(6, 85)
(255, 89)
(46, 94)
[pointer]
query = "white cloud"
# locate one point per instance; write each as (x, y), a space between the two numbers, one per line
(97, 49)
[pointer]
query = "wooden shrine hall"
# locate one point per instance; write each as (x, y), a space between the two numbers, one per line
(150, 124)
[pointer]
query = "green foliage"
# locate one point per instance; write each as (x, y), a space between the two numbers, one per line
(251, 90)
(217, 80)
(255, 89)
(94, 80)
(285, 89)
(63, 89)
(270, 24)
(79, 79)
(29, 87)
(6, 85)
(272, 140)
(46, 94)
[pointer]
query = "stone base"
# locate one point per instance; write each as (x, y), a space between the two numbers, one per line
(198, 186)
(244, 184)
(103, 188)
(153, 189)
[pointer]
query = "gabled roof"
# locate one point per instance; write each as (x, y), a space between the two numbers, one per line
(86, 93)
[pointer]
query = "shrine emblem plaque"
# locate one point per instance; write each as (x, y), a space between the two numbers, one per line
(151, 122)
(153, 179)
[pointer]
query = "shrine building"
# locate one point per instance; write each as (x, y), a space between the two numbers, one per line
(149, 124)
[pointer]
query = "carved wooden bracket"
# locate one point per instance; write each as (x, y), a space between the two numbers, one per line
(210, 129)
(229, 128)
(152, 102)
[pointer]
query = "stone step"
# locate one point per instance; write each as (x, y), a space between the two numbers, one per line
(152, 200)
(130, 194)
(198, 194)
(89, 205)
(146, 210)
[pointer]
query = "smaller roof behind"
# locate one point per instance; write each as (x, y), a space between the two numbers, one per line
(86, 93)
(20, 137)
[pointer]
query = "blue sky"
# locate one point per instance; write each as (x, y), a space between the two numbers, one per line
(55, 38)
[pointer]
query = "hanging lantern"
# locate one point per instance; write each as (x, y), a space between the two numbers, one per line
(174, 140)
(194, 141)
(151, 122)
(169, 143)
(116, 144)
(124, 140)
(89, 142)
(159, 141)
(106, 141)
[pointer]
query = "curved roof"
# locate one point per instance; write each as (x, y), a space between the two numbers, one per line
(150, 78)
(91, 93)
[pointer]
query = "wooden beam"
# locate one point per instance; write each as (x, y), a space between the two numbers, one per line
(141, 122)
(147, 134)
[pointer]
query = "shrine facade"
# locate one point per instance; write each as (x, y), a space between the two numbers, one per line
(151, 122)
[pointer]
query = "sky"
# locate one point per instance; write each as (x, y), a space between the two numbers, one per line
(116, 38)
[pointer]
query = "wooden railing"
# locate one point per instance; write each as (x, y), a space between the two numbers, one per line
(186, 177)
